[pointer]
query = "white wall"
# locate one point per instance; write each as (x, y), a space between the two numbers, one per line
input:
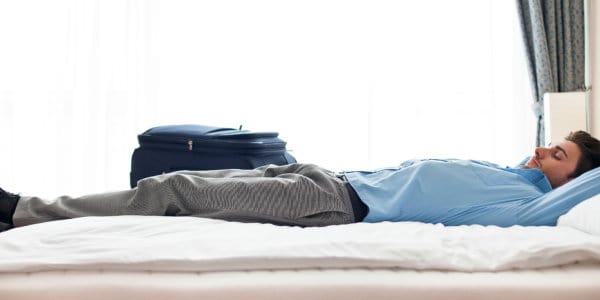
(595, 66)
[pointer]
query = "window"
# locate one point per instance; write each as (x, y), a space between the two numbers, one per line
(349, 84)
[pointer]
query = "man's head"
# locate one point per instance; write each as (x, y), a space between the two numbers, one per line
(578, 153)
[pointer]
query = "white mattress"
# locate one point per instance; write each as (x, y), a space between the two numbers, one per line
(573, 282)
(152, 257)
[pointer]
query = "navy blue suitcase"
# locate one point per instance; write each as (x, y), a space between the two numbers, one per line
(171, 148)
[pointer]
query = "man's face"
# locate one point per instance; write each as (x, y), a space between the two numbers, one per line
(557, 162)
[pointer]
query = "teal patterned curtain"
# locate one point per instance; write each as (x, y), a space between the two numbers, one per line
(553, 31)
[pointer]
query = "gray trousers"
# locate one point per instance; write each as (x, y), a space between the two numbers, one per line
(296, 194)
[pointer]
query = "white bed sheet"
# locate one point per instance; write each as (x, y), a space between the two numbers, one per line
(136, 243)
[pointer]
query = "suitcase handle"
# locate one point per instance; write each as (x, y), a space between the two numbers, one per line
(184, 130)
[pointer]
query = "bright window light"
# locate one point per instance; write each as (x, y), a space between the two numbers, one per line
(350, 85)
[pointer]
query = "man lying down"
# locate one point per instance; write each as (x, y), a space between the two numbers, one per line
(452, 192)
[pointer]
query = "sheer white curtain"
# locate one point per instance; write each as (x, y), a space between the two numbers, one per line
(349, 84)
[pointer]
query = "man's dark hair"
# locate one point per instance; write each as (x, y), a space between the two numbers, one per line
(590, 151)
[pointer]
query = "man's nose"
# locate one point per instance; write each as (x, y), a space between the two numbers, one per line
(540, 152)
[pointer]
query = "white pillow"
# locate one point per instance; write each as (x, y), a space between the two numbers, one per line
(584, 216)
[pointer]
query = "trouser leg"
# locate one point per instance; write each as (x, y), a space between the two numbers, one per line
(296, 194)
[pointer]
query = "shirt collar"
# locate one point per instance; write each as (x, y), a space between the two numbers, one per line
(535, 176)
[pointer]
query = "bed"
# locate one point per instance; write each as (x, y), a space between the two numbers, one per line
(136, 257)
(151, 257)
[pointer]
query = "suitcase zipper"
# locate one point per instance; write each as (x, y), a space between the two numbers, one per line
(221, 145)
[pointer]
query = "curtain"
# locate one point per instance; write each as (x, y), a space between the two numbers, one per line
(78, 82)
(553, 32)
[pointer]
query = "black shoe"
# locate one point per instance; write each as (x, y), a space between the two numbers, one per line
(5, 227)
(8, 203)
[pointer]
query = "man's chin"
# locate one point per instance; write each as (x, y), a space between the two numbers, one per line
(528, 165)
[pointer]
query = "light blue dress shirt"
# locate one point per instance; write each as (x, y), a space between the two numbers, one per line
(449, 191)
